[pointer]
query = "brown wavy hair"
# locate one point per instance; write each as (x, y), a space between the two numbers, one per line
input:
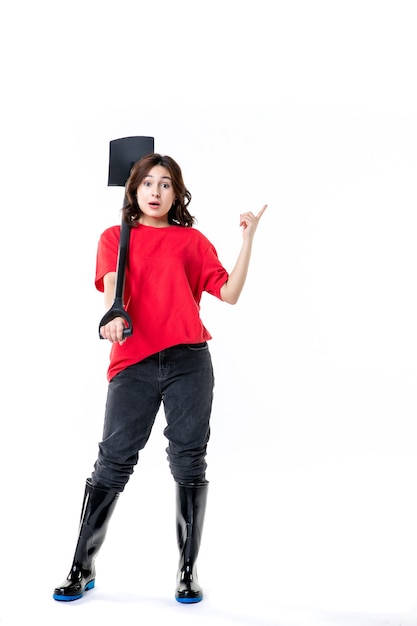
(178, 213)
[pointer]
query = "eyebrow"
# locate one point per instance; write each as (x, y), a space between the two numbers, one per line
(150, 176)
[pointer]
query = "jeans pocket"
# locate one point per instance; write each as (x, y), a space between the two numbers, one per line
(197, 346)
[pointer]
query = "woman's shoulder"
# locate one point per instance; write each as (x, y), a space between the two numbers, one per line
(195, 237)
(111, 232)
(192, 233)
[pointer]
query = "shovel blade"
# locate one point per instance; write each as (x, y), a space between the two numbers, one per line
(124, 153)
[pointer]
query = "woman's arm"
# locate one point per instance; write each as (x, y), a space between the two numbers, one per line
(113, 330)
(109, 281)
(232, 288)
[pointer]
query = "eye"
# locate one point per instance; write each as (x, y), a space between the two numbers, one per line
(146, 183)
(166, 185)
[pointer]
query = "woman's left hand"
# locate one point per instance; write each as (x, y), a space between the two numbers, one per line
(250, 222)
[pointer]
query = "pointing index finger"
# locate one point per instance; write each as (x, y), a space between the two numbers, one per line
(261, 212)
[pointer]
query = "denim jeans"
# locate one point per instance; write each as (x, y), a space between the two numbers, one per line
(181, 378)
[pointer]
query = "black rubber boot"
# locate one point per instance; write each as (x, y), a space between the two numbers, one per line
(191, 508)
(98, 506)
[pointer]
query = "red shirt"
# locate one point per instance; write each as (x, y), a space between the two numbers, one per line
(167, 271)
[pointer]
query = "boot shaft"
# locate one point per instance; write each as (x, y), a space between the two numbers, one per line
(191, 508)
(191, 500)
(98, 506)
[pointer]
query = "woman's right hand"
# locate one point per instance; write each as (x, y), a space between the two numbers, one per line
(113, 330)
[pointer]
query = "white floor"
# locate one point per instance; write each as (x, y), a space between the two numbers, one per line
(130, 607)
(267, 559)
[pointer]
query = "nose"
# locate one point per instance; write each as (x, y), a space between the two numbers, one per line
(155, 191)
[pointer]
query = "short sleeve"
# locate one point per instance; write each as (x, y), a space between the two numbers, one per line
(107, 252)
(215, 275)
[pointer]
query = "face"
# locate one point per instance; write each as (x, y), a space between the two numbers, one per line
(155, 197)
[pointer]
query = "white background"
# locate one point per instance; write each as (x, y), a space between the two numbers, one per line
(311, 108)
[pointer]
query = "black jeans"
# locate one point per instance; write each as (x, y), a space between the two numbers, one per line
(182, 379)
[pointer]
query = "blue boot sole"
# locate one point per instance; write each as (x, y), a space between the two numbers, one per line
(189, 600)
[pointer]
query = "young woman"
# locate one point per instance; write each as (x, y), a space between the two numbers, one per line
(165, 361)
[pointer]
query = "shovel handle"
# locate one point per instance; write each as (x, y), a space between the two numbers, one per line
(117, 310)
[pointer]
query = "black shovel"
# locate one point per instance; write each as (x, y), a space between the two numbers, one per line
(124, 153)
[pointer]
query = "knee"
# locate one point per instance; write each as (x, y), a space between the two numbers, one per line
(111, 476)
(187, 469)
